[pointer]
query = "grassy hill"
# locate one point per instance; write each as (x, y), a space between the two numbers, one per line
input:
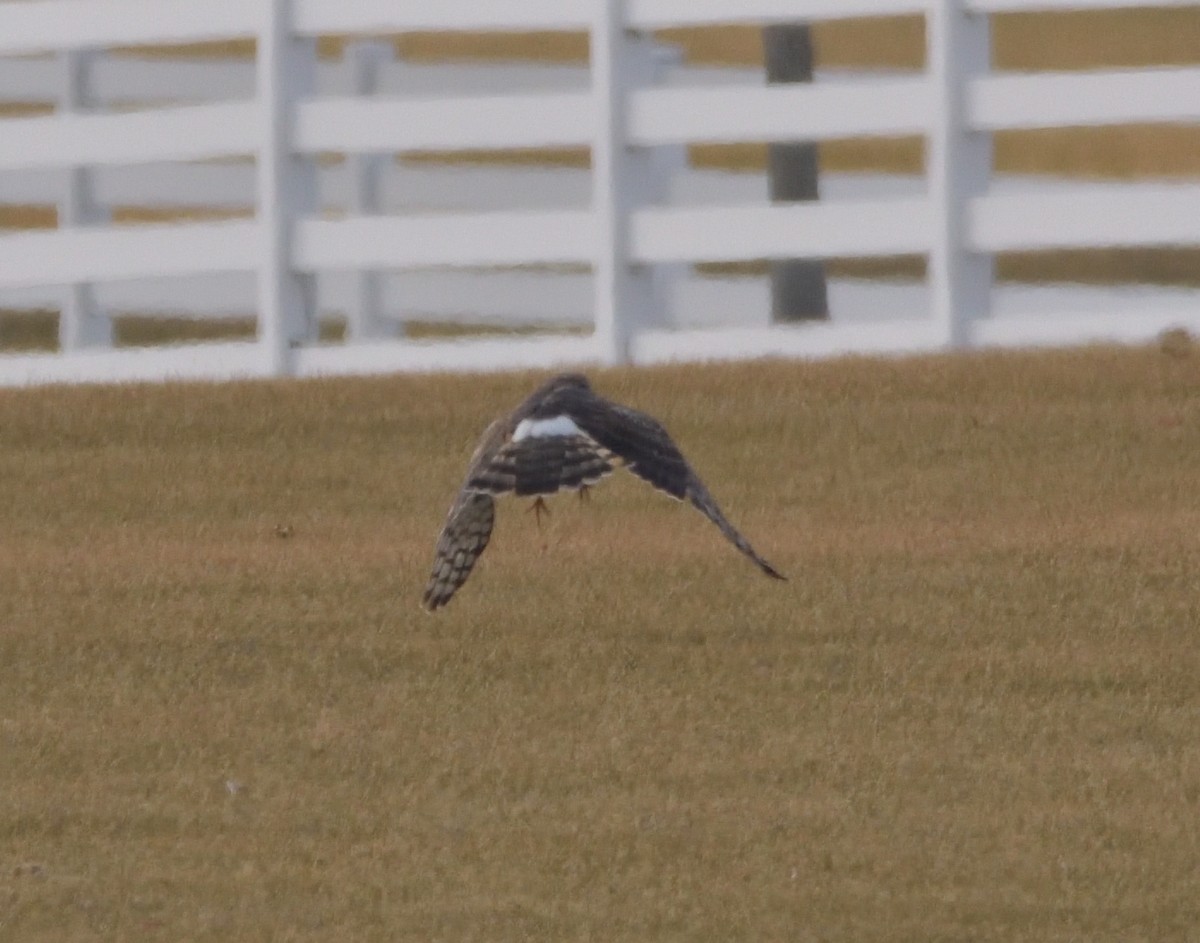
(970, 713)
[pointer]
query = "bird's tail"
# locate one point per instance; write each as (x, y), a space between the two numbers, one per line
(707, 505)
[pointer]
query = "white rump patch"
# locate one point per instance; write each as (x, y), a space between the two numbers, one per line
(539, 428)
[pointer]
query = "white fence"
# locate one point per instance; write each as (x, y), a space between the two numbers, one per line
(346, 237)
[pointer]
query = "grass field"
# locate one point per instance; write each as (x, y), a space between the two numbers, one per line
(970, 715)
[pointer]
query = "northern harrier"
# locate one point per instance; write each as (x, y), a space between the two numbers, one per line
(562, 437)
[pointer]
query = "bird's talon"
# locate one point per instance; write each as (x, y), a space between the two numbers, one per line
(539, 508)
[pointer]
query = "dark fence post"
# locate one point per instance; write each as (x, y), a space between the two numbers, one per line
(798, 291)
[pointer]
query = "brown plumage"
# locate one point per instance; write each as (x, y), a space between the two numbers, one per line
(562, 437)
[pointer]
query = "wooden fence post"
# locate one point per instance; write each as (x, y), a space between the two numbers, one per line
(798, 286)
(959, 169)
(365, 316)
(287, 188)
(624, 293)
(82, 323)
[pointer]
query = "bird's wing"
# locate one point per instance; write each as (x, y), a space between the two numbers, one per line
(465, 535)
(706, 505)
(638, 440)
(642, 443)
(467, 530)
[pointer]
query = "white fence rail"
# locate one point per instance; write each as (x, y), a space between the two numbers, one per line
(376, 240)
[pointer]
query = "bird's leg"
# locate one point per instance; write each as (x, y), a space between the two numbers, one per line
(585, 494)
(539, 508)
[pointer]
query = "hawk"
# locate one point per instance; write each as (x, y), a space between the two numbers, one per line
(562, 437)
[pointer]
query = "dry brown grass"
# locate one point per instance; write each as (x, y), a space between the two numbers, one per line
(971, 713)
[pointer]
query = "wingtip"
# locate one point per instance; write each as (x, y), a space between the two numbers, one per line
(765, 566)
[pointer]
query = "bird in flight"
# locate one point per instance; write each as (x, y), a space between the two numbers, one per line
(563, 437)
